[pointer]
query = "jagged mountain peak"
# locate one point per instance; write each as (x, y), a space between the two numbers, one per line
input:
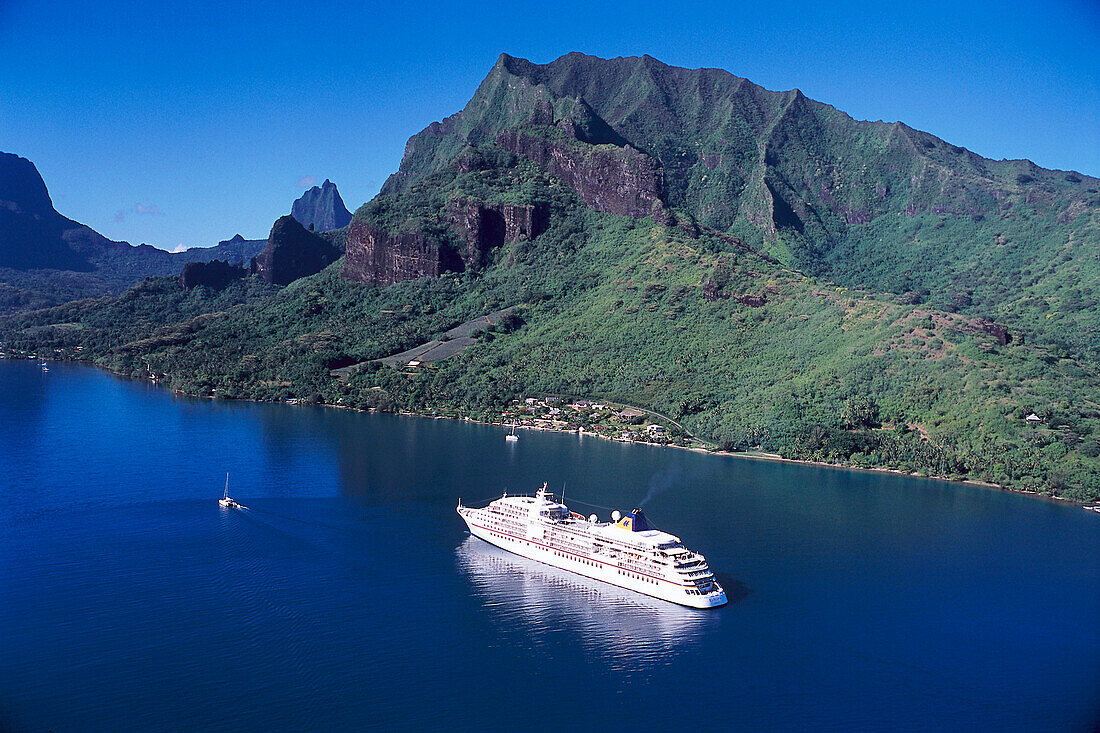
(321, 208)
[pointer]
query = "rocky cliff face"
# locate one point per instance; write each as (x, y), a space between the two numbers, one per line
(293, 252)
(215, 274)
(383, 258)
(321, 209)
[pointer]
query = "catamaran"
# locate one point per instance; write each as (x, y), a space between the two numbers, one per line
(626, 551)
(226, 502)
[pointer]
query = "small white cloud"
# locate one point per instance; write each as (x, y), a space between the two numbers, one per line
(306, 181)
(181, 247)
(150, 209)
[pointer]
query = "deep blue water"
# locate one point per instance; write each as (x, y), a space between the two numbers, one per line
(349, 596)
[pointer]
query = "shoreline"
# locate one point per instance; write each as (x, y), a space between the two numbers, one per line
(755, 455)
(751, 455)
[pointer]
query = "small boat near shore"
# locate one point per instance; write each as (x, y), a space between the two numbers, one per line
(512, 437)
(226, 502)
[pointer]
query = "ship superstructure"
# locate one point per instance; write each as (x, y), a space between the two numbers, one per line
(626, 551)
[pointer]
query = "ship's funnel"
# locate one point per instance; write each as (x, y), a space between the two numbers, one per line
(635, 521)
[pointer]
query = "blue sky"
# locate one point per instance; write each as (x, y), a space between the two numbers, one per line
(186, 124)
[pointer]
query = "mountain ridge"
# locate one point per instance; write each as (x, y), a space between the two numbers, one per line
(611, 87)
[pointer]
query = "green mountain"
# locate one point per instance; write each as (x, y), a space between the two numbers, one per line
(755, 266)
(870, 205)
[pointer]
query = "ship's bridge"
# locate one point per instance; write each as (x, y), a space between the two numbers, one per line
(553, 511)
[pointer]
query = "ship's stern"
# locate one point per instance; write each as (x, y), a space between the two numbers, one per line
(713, 599)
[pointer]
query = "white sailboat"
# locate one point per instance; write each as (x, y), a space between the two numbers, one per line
(512, 437)
(226, 502)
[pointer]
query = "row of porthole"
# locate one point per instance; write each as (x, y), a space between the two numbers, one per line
(638, 577)
(507, 537)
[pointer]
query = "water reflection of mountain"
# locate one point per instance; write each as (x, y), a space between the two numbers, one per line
(634, 629)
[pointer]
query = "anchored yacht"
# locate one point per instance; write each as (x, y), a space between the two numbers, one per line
(626, 551)
(228, 502)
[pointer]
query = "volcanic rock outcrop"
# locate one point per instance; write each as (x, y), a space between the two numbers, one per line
(321, 208)
(383, 258)
(293, 252)
(996, 330)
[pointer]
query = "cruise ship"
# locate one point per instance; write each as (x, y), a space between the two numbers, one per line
(626, 551)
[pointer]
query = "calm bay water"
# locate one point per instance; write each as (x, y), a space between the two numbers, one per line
(348, 595)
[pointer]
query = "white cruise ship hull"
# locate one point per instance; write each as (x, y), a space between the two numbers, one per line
(590, 566)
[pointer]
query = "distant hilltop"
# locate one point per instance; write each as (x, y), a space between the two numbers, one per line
(47, 258)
